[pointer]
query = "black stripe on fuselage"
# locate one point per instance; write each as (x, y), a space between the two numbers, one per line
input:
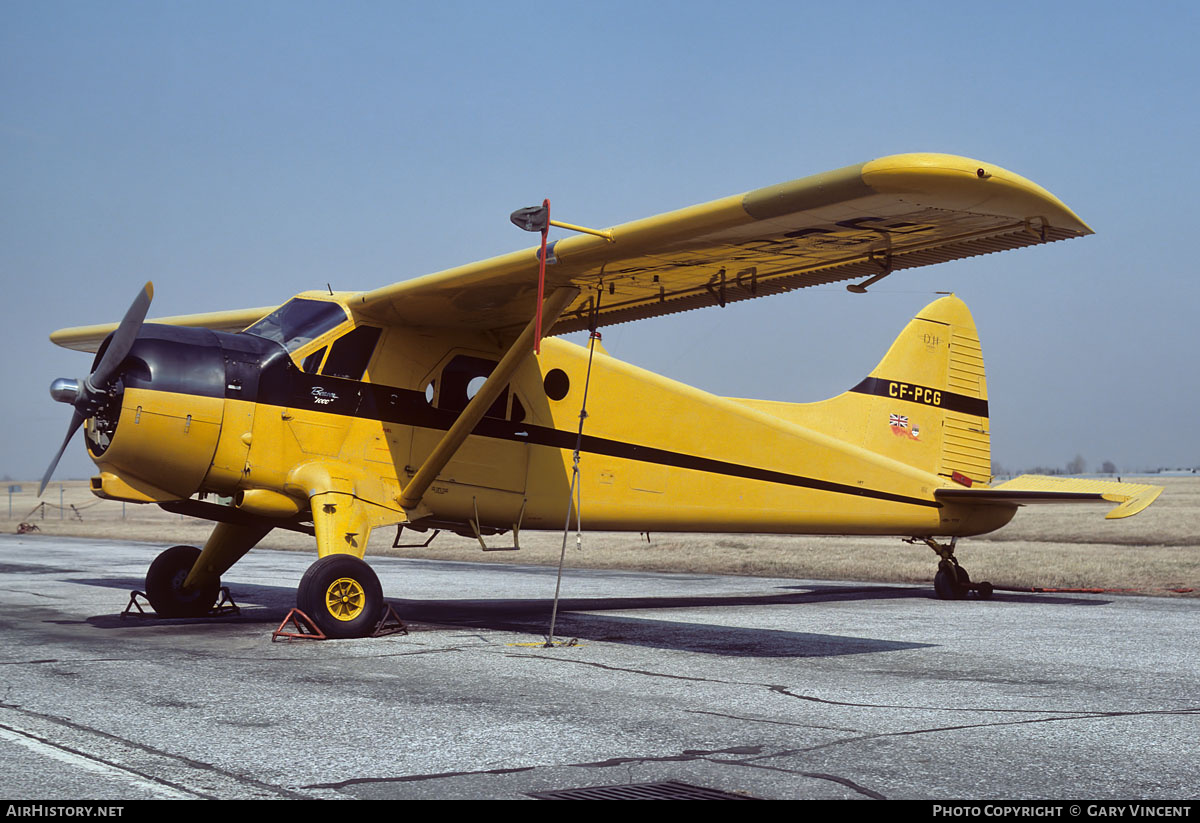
(925, 395)
(648, 454)
(409, 408)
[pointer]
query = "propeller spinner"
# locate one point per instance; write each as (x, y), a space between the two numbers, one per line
(88, 395)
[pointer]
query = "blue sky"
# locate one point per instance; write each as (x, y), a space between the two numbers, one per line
(235, 153)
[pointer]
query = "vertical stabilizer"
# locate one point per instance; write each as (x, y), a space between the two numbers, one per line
(930, 389)
(924, 405)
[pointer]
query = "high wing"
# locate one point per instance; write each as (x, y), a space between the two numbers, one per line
(89, 338)
(861, 221)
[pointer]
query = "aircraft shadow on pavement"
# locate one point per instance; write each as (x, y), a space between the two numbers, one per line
(267, 605)
(584, 618)
(877, 591)
(533, 617)
(579, 618)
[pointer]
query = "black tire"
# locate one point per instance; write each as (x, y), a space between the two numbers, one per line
(951, 582)
(164, 585)
(964, 580)
(984, 591)
(943, 586)
(342, 596)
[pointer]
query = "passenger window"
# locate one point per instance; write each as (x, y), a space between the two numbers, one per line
(463, 377)
(350, 353)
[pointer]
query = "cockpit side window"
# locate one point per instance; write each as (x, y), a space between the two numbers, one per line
(313, 361)
(350, 353)
(299, 321)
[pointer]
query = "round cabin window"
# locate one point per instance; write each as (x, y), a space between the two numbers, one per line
(557, 384)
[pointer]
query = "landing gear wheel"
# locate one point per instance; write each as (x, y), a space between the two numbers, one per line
(342, 595)
(943, 586)
(164, 585)
(951, 582)
(964, 580)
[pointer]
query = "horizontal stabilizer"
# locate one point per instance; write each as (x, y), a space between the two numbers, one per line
(1032, 488)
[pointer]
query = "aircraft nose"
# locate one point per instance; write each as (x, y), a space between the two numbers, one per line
(65, 390)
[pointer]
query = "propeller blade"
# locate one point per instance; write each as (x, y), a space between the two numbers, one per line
(76, 421)
(122, 339)
(106, 369)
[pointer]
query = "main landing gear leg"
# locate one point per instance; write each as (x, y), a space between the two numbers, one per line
(952, 581)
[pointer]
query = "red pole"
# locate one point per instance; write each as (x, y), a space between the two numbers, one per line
(537, 335)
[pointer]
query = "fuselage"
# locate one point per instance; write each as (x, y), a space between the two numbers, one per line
(246, 416)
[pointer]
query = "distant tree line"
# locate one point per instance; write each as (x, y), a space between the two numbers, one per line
(1078, 465)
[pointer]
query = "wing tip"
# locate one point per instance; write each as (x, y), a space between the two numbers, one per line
(972, 185)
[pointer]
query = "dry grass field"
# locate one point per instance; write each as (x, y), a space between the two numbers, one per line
(1155, 552)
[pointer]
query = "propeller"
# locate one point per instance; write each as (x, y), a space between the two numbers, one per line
(89, 394)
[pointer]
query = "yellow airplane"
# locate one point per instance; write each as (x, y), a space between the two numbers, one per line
(424, 404)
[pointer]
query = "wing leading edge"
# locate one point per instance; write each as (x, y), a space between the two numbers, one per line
(861, 221)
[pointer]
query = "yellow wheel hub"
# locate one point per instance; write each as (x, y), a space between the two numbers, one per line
(345, 598)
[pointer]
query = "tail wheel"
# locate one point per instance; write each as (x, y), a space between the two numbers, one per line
(164, 585)
(951, 581)
(342, 595)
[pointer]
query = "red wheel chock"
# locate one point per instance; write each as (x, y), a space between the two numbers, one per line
(134, 604)
(224, 605)
(390, 624)
(305, 629)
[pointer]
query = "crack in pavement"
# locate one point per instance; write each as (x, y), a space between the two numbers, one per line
(112, 739)
(758, 760)
(82, 759)
(626, 669)
(686, 756)
(963, 726)
(769, 721)
(749, 762)
(786, 692)
(413, 778)
(232, 658)
(64, 660)
(844, 781)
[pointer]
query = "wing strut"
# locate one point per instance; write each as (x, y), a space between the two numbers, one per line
(483, 399)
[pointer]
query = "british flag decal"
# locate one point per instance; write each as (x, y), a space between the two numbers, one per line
(900, 427)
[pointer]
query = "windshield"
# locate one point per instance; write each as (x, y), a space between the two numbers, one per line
(298, 321)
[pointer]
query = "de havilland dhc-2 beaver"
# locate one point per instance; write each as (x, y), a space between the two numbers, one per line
(435, 402)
